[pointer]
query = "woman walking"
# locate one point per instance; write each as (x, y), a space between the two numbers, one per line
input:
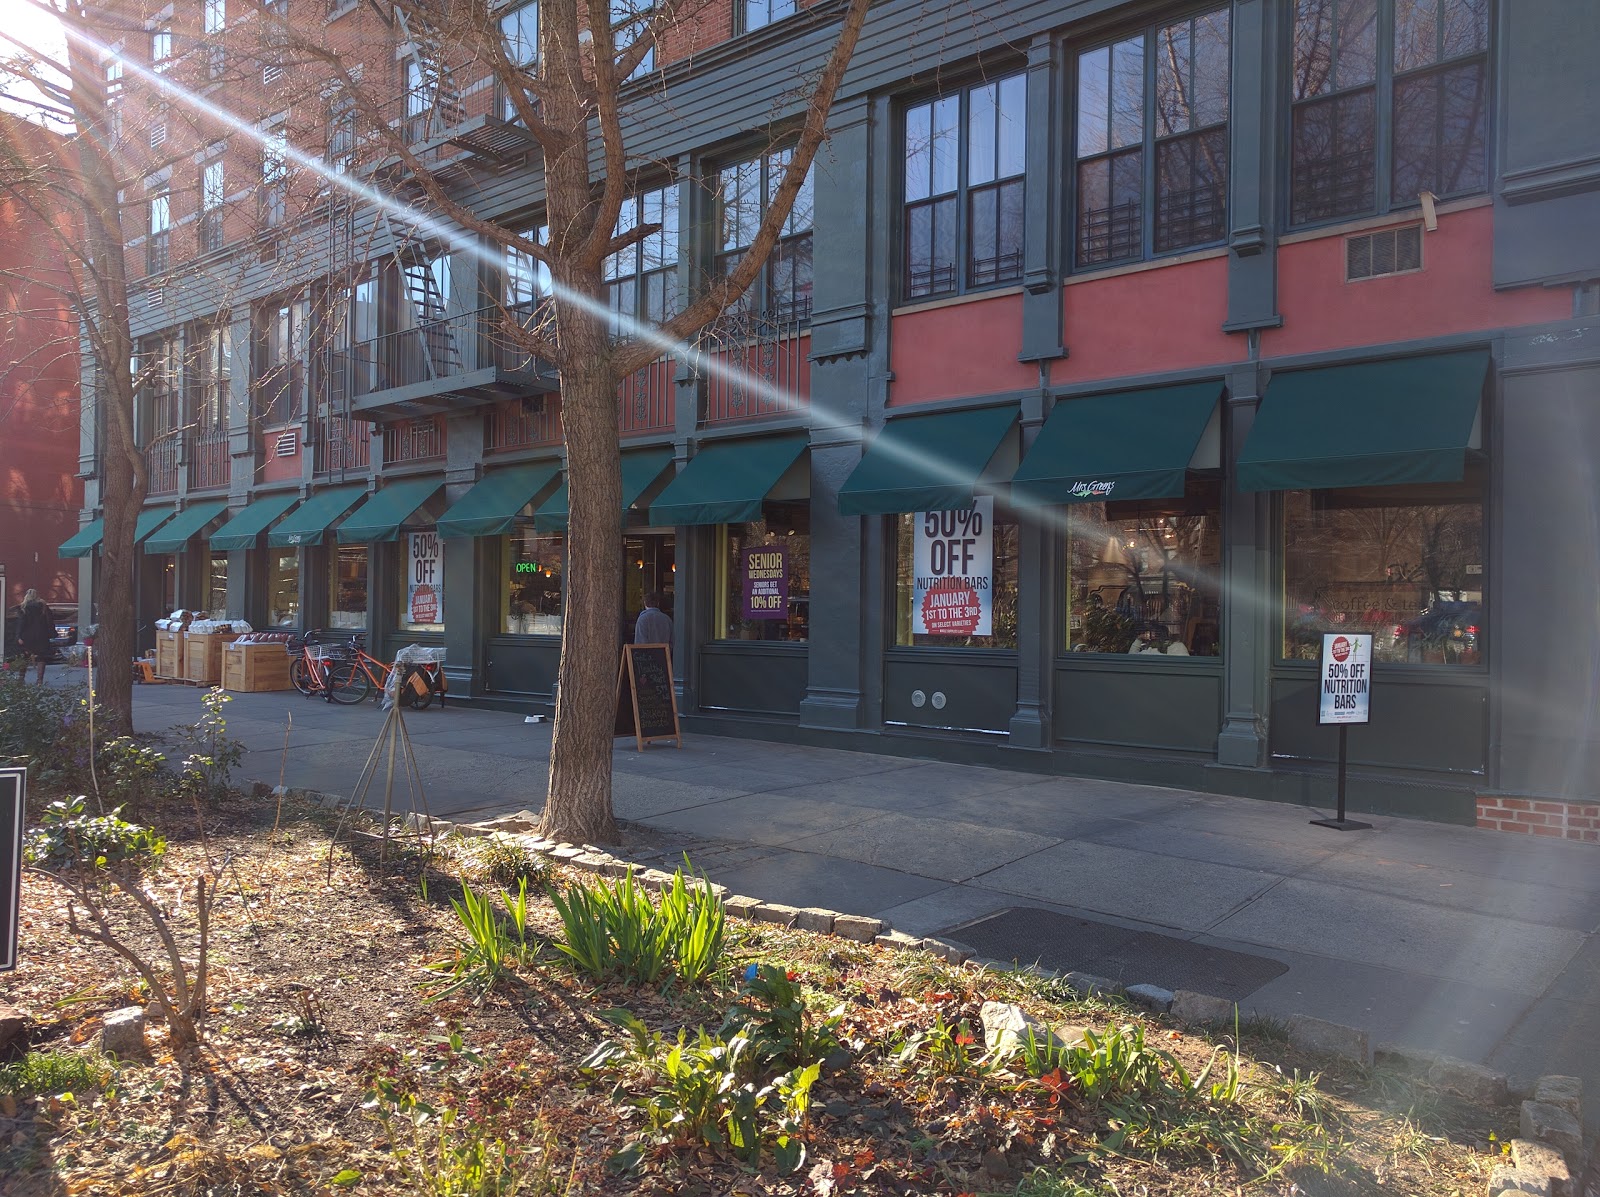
(34, 630)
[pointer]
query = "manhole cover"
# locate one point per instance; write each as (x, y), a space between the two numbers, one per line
(1067, 942)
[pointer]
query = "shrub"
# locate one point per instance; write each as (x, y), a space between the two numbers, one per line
(68, 838)
(43, 729)
(209, 754)
(709, 1091)
(128, 771)
(773, 1013)
(613, 930)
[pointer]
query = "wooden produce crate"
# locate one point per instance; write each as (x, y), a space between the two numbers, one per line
(250, 668)
(169, 654)
(202, 656)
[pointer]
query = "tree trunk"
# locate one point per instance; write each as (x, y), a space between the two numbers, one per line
(578, 807)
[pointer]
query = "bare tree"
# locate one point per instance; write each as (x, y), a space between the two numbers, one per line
(575, 102)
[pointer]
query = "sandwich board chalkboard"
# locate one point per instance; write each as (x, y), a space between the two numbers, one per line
(13, 798)
(647, 709)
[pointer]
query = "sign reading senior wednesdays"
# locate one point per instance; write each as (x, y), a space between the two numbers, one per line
(1345, 684)
(764, 589)
(952, 563)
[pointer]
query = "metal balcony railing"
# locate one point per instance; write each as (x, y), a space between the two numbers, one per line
(436, 350)
(410, 441)
(760, 367)
(161, 463)
(647, 400)
(208, 459)
(521, 424)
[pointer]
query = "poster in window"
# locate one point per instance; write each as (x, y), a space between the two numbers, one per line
(953, 572)
(764, 581)
(424, 578)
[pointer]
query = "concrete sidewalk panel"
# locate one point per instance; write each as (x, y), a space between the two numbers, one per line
(801, 879)
(1188, 895)
(763, 819)
(926, 846)
(1350, 924)
(1547, 905)
(1191, 843)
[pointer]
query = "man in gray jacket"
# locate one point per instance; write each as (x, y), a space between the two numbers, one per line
(654, 626)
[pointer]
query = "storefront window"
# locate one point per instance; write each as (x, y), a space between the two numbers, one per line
(421, 582)
(347, 586)
(1404, 563)
(764, 576)
(530, 590)
(956, 578)
(217, 584)
(283, 588)
(1143, 576)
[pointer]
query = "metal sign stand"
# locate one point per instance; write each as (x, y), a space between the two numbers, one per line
(393, 741)
(1345, 678)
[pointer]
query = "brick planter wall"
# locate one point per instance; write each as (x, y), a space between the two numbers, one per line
(1531, 816)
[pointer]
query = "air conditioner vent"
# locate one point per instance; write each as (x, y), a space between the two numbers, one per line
(1388, 251)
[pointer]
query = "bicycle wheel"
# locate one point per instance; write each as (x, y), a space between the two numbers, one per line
(347, 682)
(302, 677)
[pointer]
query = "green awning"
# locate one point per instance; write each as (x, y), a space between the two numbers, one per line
(1373, 424)
(175, 535)
(310, 520)
(82, 542)
(640, 469)
(1128, 445)
(926, 463)
(727, 481)
(242, 530)
(380, 517)
(492, 505)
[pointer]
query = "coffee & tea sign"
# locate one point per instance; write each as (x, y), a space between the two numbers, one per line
(952, 570)
(424, 578)
(1345, 689)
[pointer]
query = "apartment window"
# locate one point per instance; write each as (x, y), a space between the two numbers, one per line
(212, 194)
(764, 12)
(341, 139)
(527, 278)
(274, 178)
(279, 356)
(1431, 90)
(214, 19)
(782, 291)
(630, 20)
(642, 280)
(210, 367)
(114, 73)
(965, 158)
(1126, 211)
(519, 29)
(158, 249)
(163, 387)
(161, 46)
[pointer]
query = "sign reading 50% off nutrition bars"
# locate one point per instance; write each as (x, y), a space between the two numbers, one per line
(952, 572)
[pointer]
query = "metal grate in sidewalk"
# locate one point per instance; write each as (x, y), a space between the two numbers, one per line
(1065, 942)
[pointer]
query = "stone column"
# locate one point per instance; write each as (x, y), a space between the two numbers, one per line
(849, 370)
(1042, 306)
(1038, 603)
(1249, 593)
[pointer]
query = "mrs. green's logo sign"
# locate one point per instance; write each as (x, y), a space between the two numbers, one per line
(1091, 490)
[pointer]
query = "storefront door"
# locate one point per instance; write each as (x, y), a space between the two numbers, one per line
(649, 562)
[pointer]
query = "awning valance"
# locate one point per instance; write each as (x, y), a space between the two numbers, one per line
(1126, 445)
(640, 470)
(491, 506)
(1370, 424)
(927, 463)
(242, 530)
(380, 517)
(309, 522)
(726, 482)
(175, 535)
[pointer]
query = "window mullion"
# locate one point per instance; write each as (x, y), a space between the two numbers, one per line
(963, 278)
(1147, 188)
(1383, 109)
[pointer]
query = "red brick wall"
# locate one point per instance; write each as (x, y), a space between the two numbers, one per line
(1531, 816)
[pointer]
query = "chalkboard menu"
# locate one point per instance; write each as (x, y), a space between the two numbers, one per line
(13, 797)
(647, 709)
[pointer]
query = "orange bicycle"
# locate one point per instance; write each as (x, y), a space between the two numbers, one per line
(342, 671)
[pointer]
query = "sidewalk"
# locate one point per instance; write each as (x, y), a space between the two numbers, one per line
(1478, 944)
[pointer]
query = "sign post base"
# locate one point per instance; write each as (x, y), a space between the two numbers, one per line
(1342, 824)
